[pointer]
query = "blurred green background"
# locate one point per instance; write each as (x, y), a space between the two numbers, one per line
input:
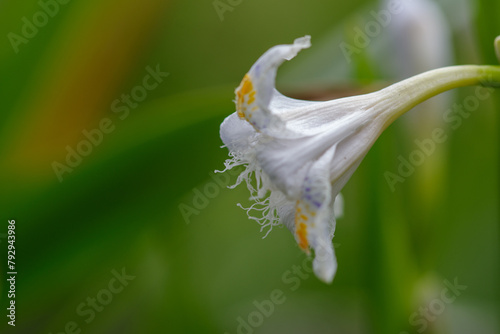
(142, 203)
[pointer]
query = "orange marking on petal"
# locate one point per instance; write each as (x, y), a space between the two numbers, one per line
(302, 236)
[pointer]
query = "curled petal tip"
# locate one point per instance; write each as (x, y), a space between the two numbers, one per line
(299, 44)
(304, 42)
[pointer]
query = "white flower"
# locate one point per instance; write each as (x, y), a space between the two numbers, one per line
(420, 38)
(299, 154)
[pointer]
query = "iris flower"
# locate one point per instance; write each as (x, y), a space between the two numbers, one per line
(299, 154)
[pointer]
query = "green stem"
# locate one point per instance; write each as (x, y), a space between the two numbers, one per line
(428, 84)
(497, 47)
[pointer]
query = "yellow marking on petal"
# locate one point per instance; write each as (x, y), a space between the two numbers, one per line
(251, 97)
(245, 91)
(247, 85)
(302, 235)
